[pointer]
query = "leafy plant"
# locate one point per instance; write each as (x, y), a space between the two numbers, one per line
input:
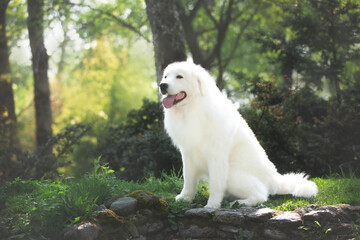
(43, 207)
(81, 196)
(139, 148)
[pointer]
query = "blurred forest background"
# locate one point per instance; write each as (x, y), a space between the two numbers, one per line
(78, 80)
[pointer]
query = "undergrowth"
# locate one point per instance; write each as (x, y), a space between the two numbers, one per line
(42, 209)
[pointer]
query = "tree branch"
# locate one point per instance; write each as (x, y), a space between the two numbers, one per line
(222, 30)
(195, 9)
(212, 18)
(113, 17)
(238, 37)
(189, 32)
(202, 31)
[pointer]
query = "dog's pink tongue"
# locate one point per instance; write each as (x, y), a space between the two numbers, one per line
(168, 102)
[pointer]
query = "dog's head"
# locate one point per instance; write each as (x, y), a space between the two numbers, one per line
(181, 82)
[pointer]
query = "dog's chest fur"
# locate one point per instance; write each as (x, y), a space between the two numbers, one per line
(198, 125)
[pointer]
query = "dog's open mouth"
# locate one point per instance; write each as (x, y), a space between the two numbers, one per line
(171, 100)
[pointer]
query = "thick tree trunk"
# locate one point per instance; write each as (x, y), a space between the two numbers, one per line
(168, 42)
(40, 68)
(8, 131)
(167, 35)
(6, 93)
(7, 103)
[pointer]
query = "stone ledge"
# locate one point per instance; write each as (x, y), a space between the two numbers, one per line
(147, 217)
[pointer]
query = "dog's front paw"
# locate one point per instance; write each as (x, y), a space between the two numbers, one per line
(183, 197)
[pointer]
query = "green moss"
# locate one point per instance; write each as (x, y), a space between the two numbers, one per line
(149, 200)
(109, 216)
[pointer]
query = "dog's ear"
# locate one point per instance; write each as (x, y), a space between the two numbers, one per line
(200, 85)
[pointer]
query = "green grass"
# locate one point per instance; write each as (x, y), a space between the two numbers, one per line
(43, 208)
(332, 190)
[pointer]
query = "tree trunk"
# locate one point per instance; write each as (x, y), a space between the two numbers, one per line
(6, 92)
(40, 68)
(168, 42)
(167, 35)
(9, 144)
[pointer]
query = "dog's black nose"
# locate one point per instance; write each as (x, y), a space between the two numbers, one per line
(164, 88)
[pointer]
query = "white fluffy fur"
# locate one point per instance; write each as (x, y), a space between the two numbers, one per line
(216, 143)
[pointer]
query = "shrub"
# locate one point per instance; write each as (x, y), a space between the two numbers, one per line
(300, 131)
(44, 160)
(140, 147)
(31, 208)
(40, 209)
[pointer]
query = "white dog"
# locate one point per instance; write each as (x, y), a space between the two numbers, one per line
(215, 142)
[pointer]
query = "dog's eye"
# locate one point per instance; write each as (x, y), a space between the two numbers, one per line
(165, 76)
(179, 76)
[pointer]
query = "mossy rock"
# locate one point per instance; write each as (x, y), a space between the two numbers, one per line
(149, 200)
(109, 216)
(115, 227)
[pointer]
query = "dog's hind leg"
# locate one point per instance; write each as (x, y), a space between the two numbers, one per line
(248, 188)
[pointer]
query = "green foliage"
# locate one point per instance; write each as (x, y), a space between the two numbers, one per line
(91, 189)
(42, 208)
(305, 109)
(124, 18)
(23, 89)
(317, 40)
(45, 160)
(300, 131)
(30, 206)
(138, 147)
(15, 21)
(115, 83)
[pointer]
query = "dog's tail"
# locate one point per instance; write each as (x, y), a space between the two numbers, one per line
(296, 184)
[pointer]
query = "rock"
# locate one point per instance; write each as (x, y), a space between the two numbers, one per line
(142, 215)
(111, 200)
(341, 231)
(262, 215)
(114, 225)
(124, 206)
(229, 228)
(200, 212)
(246, 210)
(194, 231)
(320, 216)
(275, 234)
(151, 227)
(85, 231)
(286, 219)
(352, 211)
(334, 209)
(99, 208)
(150, 201)
(307, 208)
(229, 217)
